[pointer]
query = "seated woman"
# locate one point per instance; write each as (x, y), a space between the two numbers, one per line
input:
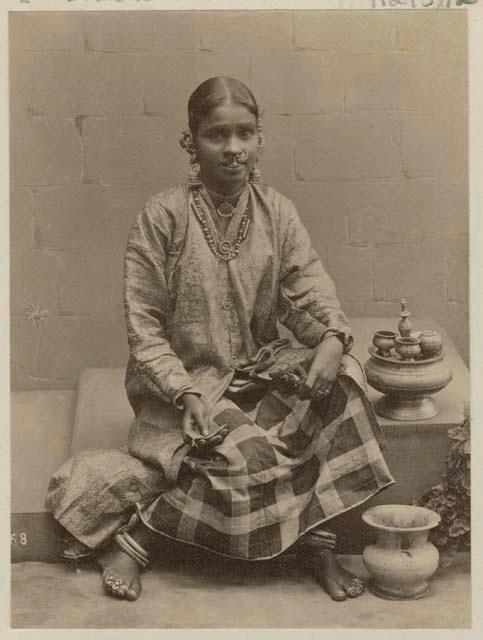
(210, 267)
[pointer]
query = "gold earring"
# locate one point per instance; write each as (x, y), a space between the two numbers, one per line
(255, 176)
(194, 180)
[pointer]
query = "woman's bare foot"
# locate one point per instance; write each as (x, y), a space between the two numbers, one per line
(121, 574)
(339, 583)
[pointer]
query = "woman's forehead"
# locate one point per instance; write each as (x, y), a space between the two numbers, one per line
(228, 114)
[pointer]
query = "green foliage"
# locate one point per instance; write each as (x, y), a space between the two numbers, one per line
(451, 498)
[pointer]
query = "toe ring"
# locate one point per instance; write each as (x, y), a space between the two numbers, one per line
(356, 589)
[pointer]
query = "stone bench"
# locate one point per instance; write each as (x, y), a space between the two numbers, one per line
(49, 426)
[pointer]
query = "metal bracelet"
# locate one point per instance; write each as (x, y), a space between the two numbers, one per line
(135, 545)
(141, 558)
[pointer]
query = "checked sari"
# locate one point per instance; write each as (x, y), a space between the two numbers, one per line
(284, 468)
(299, 463)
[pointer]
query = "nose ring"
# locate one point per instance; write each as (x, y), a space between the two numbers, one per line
(241, 156)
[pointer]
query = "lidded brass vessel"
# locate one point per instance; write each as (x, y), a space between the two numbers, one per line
(407, 376)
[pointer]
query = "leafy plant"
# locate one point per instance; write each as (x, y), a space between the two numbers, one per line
(451, 498)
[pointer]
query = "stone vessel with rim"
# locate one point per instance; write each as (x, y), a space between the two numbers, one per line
(401, 560)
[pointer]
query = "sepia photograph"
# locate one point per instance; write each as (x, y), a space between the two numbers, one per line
(239, 318)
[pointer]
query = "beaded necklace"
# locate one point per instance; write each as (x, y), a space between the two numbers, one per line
(223, 249)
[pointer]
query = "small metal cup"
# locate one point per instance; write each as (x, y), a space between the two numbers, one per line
(384, 341)
(408, 348)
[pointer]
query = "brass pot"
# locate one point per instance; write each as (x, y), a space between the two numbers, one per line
(408, 347)
(384, 341)
(407, 385)
(431, 343)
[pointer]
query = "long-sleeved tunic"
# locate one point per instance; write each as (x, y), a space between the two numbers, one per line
(191, 318)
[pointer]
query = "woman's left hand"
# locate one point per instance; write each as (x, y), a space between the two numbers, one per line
(324, 368)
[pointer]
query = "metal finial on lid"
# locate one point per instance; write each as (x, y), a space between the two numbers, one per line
(405, 326)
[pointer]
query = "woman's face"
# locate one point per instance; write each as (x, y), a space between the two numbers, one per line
(227, 147)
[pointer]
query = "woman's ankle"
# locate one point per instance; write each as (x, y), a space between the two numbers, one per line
(143, 536)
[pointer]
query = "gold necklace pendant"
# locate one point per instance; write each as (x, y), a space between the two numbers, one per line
(226, 250)
(222, 248)
(226, 209)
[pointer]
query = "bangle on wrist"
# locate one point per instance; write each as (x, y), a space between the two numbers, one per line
(346, 341)
(333, 333)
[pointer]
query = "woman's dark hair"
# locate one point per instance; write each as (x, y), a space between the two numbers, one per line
(212, 93)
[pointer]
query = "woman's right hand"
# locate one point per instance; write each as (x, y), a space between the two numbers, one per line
(195, 420)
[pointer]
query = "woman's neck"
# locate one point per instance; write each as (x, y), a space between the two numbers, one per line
(218, 196)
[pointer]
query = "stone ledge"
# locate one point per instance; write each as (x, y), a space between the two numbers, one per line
(44, 435)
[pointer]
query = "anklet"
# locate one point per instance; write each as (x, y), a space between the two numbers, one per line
(136, 545)
(132, 549)
(319, 539)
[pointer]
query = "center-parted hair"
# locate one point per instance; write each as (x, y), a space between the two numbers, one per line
(217, 91)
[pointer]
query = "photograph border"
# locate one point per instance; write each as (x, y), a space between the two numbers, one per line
(475, 20)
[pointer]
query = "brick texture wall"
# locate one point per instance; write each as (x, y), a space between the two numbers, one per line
(365, 116)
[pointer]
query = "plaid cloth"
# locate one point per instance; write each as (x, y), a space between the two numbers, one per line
(296, 465)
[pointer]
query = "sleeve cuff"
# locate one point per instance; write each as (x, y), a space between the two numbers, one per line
(178, 397)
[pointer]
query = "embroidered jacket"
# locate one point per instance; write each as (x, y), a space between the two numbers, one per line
(192, 318)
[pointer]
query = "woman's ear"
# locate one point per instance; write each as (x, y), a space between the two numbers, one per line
(187, 143)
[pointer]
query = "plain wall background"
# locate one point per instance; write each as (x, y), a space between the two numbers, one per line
(365, 118)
